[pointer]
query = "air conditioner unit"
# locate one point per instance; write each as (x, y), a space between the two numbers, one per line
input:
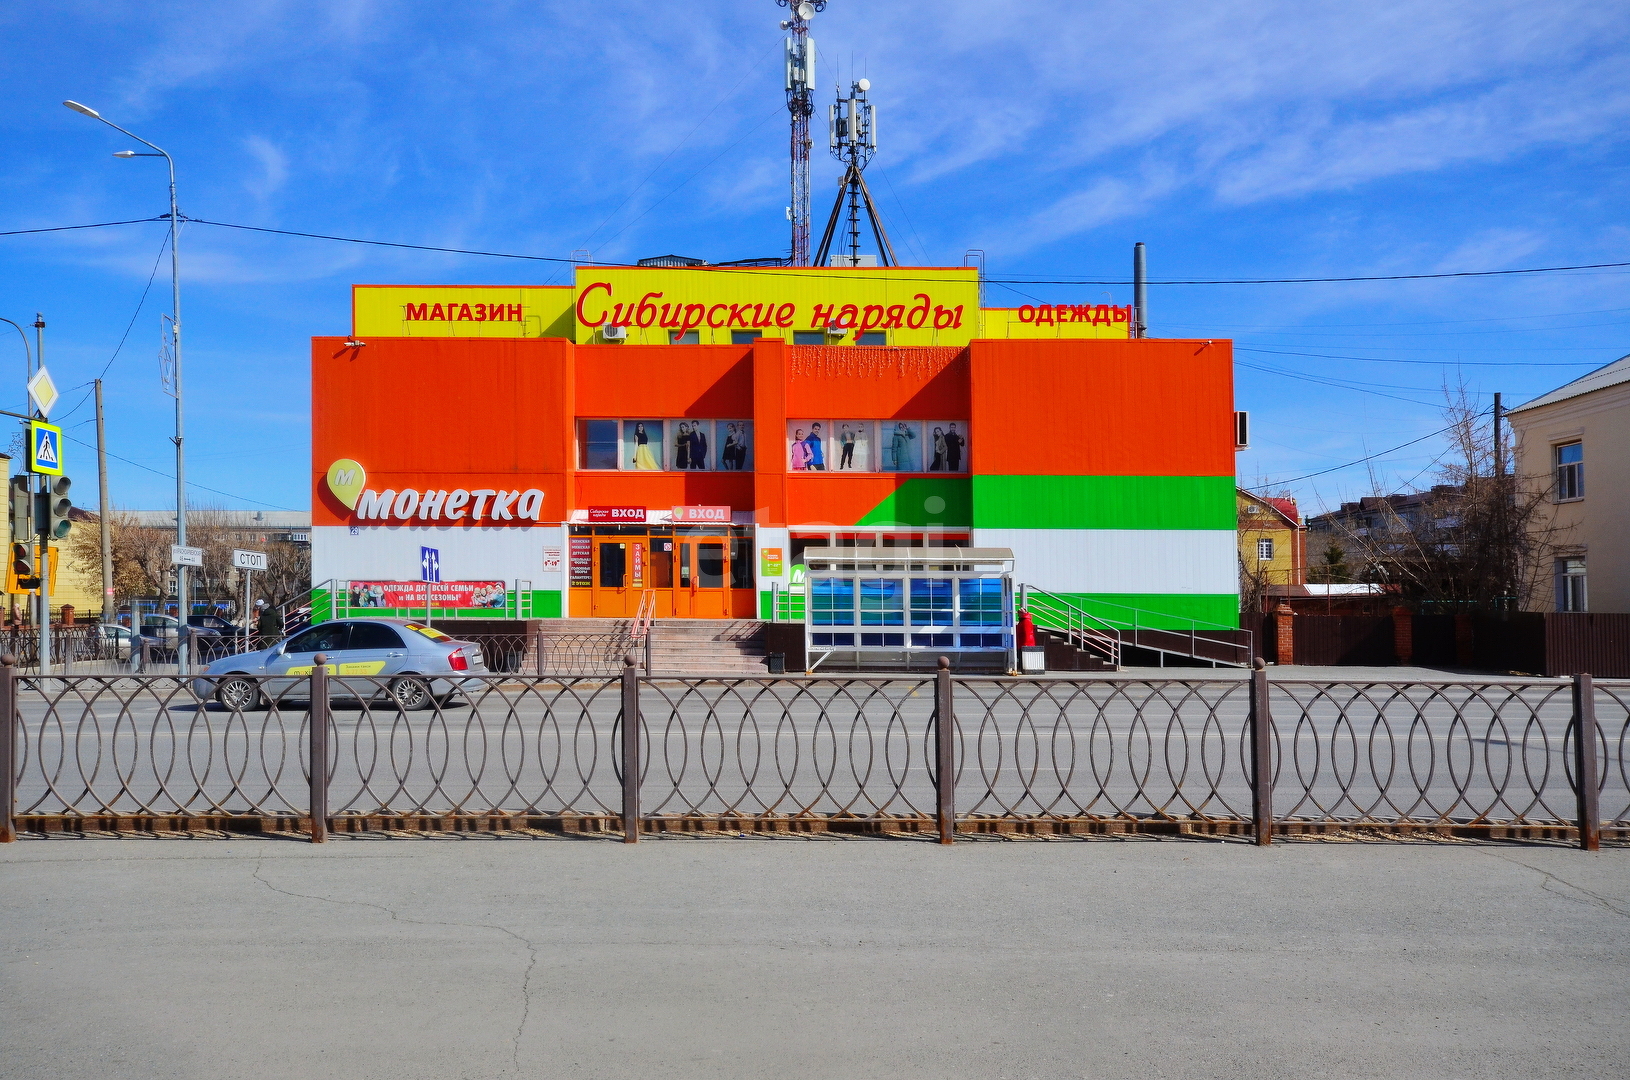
(614, 333)
(836, 331)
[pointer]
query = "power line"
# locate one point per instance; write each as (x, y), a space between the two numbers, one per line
(1350, 464)
(1436, 363)
(171, 476)
(739, 270)
(131, 325)
(97, 225)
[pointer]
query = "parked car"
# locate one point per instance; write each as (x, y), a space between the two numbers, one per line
(108, 642)
(217, 624)
(412, 664)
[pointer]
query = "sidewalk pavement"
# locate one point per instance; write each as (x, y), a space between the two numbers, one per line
(727, 958)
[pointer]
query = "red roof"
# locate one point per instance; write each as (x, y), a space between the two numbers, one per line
(1286, 507)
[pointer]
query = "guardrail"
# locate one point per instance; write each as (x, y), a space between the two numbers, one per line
(937, 755)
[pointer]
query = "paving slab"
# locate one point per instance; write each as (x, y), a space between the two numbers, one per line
(749, 958)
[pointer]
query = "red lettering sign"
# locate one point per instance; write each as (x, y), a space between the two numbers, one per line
(612, 514)
(702, 514)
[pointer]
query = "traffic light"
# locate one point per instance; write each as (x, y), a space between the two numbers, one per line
(51, 512)
(21, 575)
(21, 510)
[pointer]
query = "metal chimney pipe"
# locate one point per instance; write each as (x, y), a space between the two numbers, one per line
(1140, 291)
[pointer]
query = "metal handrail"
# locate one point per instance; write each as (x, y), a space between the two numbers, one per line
(644, 616)
(1109, 635)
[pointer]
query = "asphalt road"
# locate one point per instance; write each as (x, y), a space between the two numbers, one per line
(724, 959)
(859, 747)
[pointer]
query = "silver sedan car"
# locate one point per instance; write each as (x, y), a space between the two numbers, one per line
(413, 664)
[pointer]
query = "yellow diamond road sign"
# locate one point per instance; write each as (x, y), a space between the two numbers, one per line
(42, 391)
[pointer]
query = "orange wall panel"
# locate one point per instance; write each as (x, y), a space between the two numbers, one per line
(1147, 407)
(837, 500)
(441, 413)
(659, 491)
(876, 383)
(656, 381)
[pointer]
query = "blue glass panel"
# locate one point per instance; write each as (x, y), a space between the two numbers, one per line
(882, 602)
(931, 602)
(832, 601)
(981, 600)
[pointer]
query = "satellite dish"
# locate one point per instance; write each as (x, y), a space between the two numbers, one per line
(806, 11)
(864, 84)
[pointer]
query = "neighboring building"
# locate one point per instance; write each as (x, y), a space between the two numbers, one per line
(1378, 528)
(1576, 441)
(1272, 545)
(681, 435)
(242, 526)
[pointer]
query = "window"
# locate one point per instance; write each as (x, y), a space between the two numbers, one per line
(1570, 473)
(981, 601)
(882, 602)
(820, 445)
(372, 635)
(872, 337)
(1570, 585)
(1264, 549)
(744, 337)
(931, 603)
(688, 337)
(832, 601)
(657, 445)
(809, 337)
(330, 637)
(741, 562)
(598, 442)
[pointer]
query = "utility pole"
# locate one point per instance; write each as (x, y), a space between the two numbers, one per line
(1499, 451)
(44, 537)
(1140, 291)
(108, 613)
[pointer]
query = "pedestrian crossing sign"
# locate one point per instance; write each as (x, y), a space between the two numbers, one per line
(44, 448)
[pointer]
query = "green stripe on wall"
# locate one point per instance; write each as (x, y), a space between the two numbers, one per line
(1160, 611)
(1104, 502)
(924, 502)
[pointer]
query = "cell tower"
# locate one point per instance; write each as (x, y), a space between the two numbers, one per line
(800, 106)
(852, 123)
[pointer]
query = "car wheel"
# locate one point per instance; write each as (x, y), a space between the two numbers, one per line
(411, 695)
(238, 694)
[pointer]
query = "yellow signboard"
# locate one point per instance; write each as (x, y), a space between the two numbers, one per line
(721, 305)
(839, 305)
(442, 311)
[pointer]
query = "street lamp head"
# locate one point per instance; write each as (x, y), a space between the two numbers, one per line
(124, 153)
(86, 109)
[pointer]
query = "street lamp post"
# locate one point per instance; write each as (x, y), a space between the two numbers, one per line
(182, 644)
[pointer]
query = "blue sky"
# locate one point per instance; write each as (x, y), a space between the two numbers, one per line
(1239, 140)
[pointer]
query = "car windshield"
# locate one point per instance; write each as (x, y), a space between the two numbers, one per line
(430, 632)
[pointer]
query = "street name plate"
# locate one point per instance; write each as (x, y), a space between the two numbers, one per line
(186, 556)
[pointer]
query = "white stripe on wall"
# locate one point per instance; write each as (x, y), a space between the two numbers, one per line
(391, 553)
(1120, 560)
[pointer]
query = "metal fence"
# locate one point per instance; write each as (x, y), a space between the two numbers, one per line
(1059, 756)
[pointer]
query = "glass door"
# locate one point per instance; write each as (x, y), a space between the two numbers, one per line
(701, 577)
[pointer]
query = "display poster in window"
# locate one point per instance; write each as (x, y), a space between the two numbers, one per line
(734, 440)
(443, 594)
(582, 561)
(872, 446)
(552, 560)
(643, 448)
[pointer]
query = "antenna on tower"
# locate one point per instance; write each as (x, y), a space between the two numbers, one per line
(800, 106)
(852, 124)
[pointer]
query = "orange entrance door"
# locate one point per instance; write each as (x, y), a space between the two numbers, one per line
(701, 577)
(619, 576)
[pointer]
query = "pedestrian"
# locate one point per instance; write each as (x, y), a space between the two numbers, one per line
(268, 623)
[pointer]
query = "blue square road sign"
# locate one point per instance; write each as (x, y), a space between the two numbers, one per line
(429, 564)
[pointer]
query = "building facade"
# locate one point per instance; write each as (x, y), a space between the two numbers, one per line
(678, 437)
(1272, 546)
(1575, 441)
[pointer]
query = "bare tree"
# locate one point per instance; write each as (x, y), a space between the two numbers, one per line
(1476, 541)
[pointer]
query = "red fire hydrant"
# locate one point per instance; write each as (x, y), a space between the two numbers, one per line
(1027, 629)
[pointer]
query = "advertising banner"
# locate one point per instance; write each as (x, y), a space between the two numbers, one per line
(443, 594)
(700, 514)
